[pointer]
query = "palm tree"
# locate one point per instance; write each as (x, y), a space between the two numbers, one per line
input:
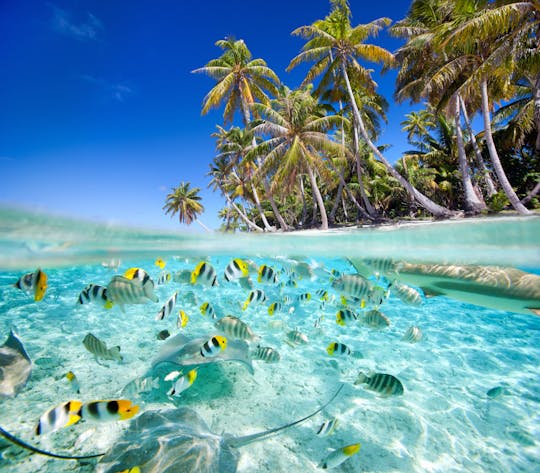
(241, 81)
(185, 202)
(296, 142)
(335, 35)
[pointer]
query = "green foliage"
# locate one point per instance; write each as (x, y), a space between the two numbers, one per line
(498, 201)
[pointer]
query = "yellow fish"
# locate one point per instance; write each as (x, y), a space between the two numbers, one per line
(160, 263)
(182, 319)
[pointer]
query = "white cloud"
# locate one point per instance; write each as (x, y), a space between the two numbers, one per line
(89, 29)
(118, 91)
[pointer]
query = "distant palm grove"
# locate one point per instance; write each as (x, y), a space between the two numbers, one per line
(310, 157)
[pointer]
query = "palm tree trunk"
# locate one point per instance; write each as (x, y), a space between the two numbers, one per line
(304, 206)
(339, 194)
(203, 225)
(501, 175)
(318, 197)
(531, 194)
(424, 201)
(267, 226)
(472, 203)
(369, 207)
(484, 171)
(536, 93)
(277, 214)
(242, 215)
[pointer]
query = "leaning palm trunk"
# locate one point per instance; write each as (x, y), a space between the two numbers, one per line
(531, 194)
(424, 201)
(203, 225)
(501, 175)
(319, 199)
(369, 208)
(472, 203)
(484, 171)
(267, 226)
(337, 200)
(242, 215)
(304, 205)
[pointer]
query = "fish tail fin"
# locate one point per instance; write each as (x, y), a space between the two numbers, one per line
(362, 378)
(73, 419)
(245, 306)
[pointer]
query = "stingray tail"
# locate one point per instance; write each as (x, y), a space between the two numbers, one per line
(21, 443)
(247, 439)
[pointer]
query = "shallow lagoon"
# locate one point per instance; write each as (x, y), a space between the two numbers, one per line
(444, 421)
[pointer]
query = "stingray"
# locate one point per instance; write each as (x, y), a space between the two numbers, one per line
(182, 351)
(171, 441)
(495, 287)
(15, 366)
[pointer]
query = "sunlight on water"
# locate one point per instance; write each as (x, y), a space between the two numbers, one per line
(470, 398)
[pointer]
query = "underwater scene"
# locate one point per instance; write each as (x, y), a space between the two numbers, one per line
(396, 349)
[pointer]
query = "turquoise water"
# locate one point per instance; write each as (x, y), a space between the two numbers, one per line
(443, 422)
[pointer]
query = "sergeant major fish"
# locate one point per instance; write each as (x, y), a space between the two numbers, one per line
(267, 354)
(235, 328)
(382, 383)
(94, 293)
(406, 294)
(99, 349)
(122, 290)
(412, 335)
(375, 319)
(353, 285)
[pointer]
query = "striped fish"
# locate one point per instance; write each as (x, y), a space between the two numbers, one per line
(205, 274)
(275, 308)
(406, 294)
(235, 328)
(412, 335)
(328, 427)
(73, 381)
(267, 275)
(138, 274)
(352, 285)
(93, 293)
(377, 295)
(337, 348)
(164, 278)
(236, 269)
(267, 354)
(64, 415)
(296, 337)
(208, 309)
(167, 308)
(375, 319)
(122, 290)
(99, 349)
(35, 282)
(382, 383)
(183, 383)
(337, 457)
(103, 411)
(304, 297)
(213, 346)
(322, 294)
(256, 296)
(344, 316)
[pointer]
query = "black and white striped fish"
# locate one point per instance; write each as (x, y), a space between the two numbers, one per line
(236, 269)
(236, 328)
(352, 285)
(338, 348)
(344, 316)
(267, 354)
(168, 307)
(256, 296)
(123, 290)
(382, 383)
(375, 319)
(99, 349)
(64, 415)
(205, 274)
(328, 427)
(164, 278)
(267, 275)
(93, 293)
(213, 346)
(295, 337)
(406, 294)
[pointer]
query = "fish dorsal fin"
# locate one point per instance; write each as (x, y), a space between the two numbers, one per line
(237, 442)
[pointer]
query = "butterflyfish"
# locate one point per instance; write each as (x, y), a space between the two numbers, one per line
(344, 316)
(94, 293)
(382, 383)
(267, 275)
(164, 278)
(208, 309)
(236, 269)
(337, 348)
(64, 415)
(256, 296)
(205, 274)
(182, 319)
(183, 383)
(337, 457)
(167, 308)
(213, 346)
(35, 282)
(160, 263)
(327, 427)
(73, 381)
(275, 307)
(103, 411)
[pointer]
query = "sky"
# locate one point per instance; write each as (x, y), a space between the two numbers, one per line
(100, 114)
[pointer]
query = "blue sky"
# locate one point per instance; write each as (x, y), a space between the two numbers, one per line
(100, 112)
